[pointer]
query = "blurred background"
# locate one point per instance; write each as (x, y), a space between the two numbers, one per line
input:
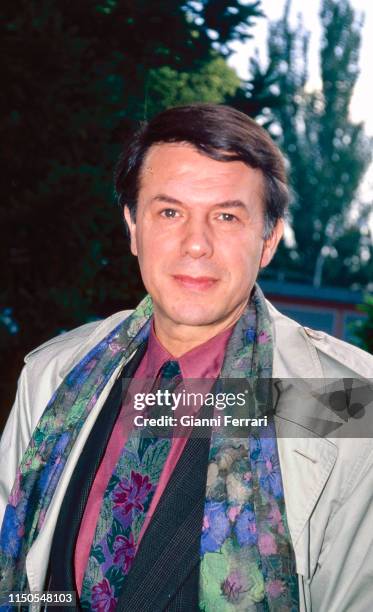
(79, 76)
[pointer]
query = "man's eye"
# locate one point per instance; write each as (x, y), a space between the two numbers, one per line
(169, 213)
(227, 217)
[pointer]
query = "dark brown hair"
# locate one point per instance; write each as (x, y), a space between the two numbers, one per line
(220, 132)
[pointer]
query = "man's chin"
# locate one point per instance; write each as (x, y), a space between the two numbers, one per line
(198, 317)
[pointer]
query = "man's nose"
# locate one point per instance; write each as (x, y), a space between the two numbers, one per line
(197, 240)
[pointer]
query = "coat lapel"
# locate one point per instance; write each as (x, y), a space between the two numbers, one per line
(307, 456)
(307, 460)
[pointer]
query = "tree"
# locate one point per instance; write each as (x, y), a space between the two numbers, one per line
(78, 77)
(363, 330)
(328, 153)
(212, 83)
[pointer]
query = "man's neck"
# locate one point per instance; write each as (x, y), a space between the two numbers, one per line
(179, 339)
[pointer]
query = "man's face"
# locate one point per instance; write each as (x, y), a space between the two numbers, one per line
(198, 236)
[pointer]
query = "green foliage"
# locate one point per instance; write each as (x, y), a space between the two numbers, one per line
(328, 153)
(212, 83)
(79, 77)
(363, 330)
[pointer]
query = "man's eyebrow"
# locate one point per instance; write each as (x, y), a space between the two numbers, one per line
(161, 197)
(230, 204)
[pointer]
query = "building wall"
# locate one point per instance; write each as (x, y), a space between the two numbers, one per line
(332, 310)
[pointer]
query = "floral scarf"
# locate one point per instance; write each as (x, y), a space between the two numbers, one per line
(247, 561)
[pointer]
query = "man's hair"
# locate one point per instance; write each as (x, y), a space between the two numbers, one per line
(220, 132)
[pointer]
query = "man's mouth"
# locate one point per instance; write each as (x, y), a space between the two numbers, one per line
(198, 283)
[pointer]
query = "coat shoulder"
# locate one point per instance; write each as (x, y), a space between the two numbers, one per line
(343, 352)
(67, 343)
(337, 357)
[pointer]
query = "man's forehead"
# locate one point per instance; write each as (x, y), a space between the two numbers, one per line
(179, 157)
(162, 149)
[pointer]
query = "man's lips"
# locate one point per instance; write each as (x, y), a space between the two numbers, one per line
(195, 282)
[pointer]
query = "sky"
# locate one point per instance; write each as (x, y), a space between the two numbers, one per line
(362, 101)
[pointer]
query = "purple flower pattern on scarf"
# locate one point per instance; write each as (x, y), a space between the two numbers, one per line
(103, 599)
(233, 586)
(124, 551)
(268, 466)
(245, 528)
(216, 527)
(130, 495)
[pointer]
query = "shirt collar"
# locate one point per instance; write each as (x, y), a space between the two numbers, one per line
(203, 361)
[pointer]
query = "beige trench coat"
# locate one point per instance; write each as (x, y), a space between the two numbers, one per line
(328, 483)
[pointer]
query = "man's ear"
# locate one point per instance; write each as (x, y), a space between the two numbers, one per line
(132, 230)
(270, 245)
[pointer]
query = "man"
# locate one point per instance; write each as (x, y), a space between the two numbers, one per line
(141, 522)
